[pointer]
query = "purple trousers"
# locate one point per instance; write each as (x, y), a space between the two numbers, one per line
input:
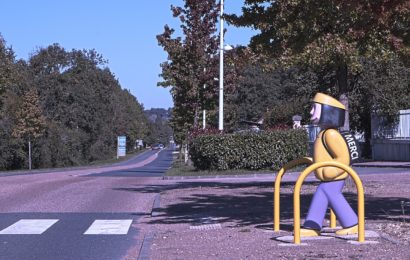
(329, 194)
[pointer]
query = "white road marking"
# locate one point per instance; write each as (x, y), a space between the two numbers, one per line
(109, 227)
(29, 227)
(206, 227)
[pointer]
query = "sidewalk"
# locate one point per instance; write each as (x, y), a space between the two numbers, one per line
(232, 219)
(383, 164)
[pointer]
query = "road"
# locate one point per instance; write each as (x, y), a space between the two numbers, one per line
(84, 213)
(88, 212)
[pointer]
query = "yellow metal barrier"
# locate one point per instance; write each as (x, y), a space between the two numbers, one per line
(276, 192)
(276, 188)
(296, 197)
(332, 219)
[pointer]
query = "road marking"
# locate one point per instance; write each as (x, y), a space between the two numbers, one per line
(109, 227)
(206, 227)
(29, 227)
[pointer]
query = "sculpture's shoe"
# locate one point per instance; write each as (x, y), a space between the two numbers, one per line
(348, 231)
(304, 232)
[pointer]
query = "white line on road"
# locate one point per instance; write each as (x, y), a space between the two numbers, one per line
(109, 227)
(29, 227)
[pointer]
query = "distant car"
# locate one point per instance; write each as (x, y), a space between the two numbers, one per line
(157, 147)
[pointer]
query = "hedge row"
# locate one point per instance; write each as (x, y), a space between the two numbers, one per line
(248, 150)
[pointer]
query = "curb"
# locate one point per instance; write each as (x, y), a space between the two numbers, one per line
(381, 166)
(155, 211)
(218, 176)
(145, 250)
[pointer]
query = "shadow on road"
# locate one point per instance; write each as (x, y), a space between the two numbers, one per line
(251, 203)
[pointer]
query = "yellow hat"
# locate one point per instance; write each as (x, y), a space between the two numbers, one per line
(328, 100)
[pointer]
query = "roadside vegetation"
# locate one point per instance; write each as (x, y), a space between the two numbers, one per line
(179, 168)
(97, 163)
(356, 51)
(69, 108)
(247, 150)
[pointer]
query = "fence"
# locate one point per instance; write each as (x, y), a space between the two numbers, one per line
(382, 129)
(313, 131)
(391, 141)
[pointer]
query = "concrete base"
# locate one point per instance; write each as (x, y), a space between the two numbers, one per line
(368, 242)
(292, 244)
(291, 238)
(367, 234)
(352, 239)
(330, 230)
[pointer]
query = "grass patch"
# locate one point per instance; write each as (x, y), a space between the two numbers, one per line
(94, 163)
(180, 169)
(115, 160)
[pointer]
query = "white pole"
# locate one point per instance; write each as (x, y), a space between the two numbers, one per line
(204, 112)
(203, 119)
(221, 70)
(29, 154)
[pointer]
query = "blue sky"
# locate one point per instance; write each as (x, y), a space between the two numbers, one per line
(123, 31)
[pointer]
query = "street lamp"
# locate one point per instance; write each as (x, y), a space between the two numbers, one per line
(221, 69)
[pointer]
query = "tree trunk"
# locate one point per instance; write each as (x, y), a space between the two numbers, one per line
(341, 77)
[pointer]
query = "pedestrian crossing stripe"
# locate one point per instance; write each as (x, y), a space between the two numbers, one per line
(29, 227)
(39, 226)
(109, 227)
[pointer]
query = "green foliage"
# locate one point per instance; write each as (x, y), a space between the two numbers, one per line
(30, 120)
(328, 32)
(159, 129)
(77, 115)
(7, 66)
(383, 88)
(191, 63)
(247, 150)
(275, 95)
(12, 154)
(335, 33)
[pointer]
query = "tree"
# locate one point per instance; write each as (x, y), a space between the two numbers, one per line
(31, 122)
(381, 89)
(12, 155)
(274, 95)
(84, 104)
(191, 63)
(7, 67)
(334, 33)
(160, 130)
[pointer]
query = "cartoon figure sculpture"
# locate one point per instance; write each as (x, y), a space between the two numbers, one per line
(329, 114)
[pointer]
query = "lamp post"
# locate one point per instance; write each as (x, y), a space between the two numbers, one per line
(221, 70)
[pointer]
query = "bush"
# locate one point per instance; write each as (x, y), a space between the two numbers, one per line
(252, 151)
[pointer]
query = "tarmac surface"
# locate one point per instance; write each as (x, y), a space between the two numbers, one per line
(232, 218)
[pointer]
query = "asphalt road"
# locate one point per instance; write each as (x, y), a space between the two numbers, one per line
(88, 213)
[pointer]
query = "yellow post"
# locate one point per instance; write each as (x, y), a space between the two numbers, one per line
(276, 189)
(296, 197)
(332, 219)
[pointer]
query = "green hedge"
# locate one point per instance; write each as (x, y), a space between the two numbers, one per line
(248, 150)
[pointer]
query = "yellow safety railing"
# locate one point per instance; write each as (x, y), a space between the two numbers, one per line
(296, 196)
(276, 192)
(276, 188)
